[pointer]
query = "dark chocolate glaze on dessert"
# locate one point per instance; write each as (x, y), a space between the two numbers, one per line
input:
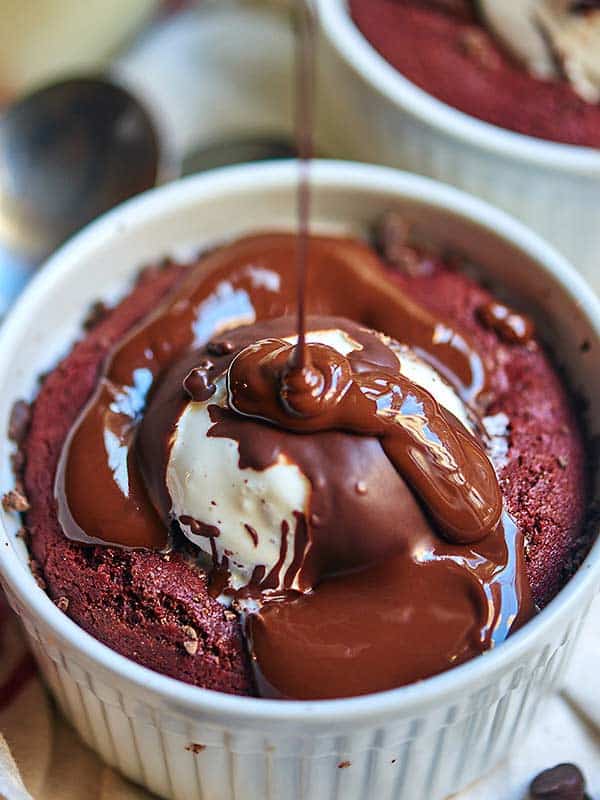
(435, 587)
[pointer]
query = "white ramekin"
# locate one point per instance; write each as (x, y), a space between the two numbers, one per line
(370, 112)
(420, 742)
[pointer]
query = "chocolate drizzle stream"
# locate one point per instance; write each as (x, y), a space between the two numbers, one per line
(406, 563)
(305, 79)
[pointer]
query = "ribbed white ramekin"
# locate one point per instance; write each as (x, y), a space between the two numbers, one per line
(370, 112)
(420, 742)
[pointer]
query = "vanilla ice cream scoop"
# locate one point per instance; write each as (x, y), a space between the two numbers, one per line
(256, 521)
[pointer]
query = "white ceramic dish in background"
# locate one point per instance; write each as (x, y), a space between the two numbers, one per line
(415, 743)
(371, 112)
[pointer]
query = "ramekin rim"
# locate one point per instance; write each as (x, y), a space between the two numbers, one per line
(358, 177)
(360, 55)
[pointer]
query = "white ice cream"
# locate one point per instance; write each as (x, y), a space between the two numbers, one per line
(253, 509)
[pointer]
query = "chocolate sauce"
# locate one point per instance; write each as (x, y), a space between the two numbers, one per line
(510, 326)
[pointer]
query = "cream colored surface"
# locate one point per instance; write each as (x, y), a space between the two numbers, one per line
(42, 39)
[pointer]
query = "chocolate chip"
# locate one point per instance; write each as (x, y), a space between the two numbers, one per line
(18, 424)
(15, 500)
(563, 782)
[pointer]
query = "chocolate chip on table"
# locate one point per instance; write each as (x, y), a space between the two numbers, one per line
(18, 423)
(563, 782)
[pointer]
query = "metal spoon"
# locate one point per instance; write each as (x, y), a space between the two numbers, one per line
(73, 150)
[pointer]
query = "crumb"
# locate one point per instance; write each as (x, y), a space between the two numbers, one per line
(63, 604)
(15, 500)
(190, 643)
